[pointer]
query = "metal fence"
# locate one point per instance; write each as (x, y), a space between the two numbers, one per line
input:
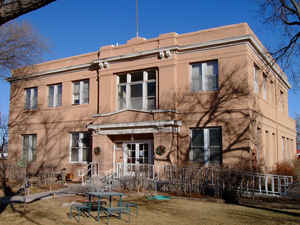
(203, 179)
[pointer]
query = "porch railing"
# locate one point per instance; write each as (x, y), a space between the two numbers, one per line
(91, 170)
(246, 183)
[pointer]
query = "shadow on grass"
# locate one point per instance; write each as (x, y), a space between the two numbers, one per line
(271, 210)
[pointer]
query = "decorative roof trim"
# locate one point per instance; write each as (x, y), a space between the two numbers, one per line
(175, 48)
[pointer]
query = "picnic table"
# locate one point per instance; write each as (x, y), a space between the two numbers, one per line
(102, 195)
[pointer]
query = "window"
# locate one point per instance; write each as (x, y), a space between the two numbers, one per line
(271, 88)
(281, 103)
(206, 145)
(31, 98)
(80, 92)
(54, 95)
(205, 76)
(283, 147)
(255, 79)
(264, 86)
(137, 90)
(80, 142)
(29, 147)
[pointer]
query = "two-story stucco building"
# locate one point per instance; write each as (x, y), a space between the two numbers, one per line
(208, 97)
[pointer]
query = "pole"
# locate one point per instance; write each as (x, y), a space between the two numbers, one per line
(137, 19)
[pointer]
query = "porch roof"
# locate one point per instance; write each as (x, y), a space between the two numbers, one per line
(136, 127)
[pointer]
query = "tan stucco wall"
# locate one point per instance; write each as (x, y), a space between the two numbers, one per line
(235, 100)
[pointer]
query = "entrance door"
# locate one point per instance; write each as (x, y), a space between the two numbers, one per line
(138, 156)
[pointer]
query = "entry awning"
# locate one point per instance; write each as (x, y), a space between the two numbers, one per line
(165, 126)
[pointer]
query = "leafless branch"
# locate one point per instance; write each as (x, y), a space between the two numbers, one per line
(11, 9)
(20, 45)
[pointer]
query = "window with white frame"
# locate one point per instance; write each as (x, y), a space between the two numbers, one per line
(80, 92)
(206, 145)
(264, 87)
(80, 143)
(205, 76)
(255, 79)
(31, 98)
(54, 95)
(137, 90)
(29, 147)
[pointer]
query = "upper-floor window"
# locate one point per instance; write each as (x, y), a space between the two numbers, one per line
(205, 76)
(29, 147)
(206, 145)
(255, 79)
(283, 146)
(271, 91)
(31, 98)
(80, 92)
(80, 142)
(281, 101)
(264, 87)
(137, 90)
(54, 95)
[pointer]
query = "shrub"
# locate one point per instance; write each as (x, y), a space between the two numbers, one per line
(284, 168)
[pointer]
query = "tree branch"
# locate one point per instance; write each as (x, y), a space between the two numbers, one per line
(297, 7)
(284, 5)
(16, 8)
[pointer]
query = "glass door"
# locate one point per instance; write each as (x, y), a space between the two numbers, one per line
(138, 156)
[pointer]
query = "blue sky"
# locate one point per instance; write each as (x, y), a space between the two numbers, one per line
(76, 27)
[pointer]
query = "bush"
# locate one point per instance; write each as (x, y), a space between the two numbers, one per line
(284, 168)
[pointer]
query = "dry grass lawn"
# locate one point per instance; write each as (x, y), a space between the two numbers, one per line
(175, 211)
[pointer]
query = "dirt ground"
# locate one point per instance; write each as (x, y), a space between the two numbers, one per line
(177, 211)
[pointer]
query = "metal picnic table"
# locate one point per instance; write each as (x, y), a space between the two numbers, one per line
(101, 195)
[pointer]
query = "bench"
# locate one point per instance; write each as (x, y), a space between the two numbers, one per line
(111, 211)
(80, 207)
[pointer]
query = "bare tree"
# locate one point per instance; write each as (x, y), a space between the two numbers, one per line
(20, 45)
(298, 131)
(284, 15)
(11, 9)
(3, 131)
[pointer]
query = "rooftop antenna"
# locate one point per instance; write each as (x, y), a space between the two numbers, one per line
(137, 18)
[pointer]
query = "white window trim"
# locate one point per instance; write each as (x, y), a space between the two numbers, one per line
(80, 149)
(32, 97)
(81, 95)
(30, 147)
(206, 145)
(55, 95)
(128, 84)
(204, 75)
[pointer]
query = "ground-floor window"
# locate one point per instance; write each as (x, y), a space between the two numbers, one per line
(29, 147)
(206, 145)
(80, 143)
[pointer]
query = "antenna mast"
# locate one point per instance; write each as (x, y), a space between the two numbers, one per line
(137, 18)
